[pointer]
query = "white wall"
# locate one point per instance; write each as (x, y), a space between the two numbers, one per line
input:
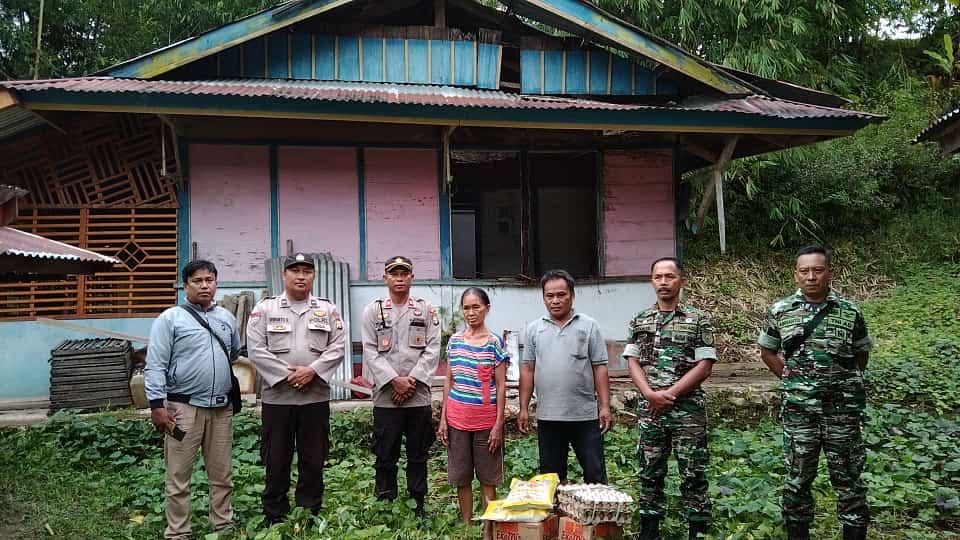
(512, 307)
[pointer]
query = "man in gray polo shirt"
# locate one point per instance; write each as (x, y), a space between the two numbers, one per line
(565, 358)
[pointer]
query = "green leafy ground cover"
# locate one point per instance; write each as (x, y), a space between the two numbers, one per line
(103, 478)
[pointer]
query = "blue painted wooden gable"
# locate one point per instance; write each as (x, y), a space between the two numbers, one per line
(330, 57)
(588, 72)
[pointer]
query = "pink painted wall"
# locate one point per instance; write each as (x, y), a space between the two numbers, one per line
(402, 209)
(230, 208)
(319, 202)
(638, 211)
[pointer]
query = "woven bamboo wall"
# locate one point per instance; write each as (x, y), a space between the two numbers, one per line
(100, 187)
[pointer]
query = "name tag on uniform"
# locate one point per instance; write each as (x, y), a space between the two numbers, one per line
(317, 323)
(279, 328)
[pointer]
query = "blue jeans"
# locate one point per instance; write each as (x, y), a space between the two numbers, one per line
(555, 437)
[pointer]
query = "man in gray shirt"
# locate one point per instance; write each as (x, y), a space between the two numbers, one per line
(188, 380)
(565, 358)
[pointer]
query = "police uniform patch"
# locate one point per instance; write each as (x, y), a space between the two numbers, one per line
(320, 313)
(707, 338)
(279, 328)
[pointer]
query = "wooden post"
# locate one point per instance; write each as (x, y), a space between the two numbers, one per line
(439, 13)
(721, 217)
(445, 145)
(719, 168)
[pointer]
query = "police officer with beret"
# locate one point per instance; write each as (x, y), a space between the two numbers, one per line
(401, 347)
(296, 343)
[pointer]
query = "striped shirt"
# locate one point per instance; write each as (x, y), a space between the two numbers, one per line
(472, 401)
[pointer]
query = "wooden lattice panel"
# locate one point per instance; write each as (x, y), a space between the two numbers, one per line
(103, 160)
(145, 239)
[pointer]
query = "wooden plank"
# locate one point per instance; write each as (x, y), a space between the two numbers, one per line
(530, 72)
(348, 59)
(325, 57)
(552, 72)
(440, 62)
(230, 63)
(599, 62)
(373, 59)
(719, 168)
(90, 330)
(643, 83)
(417, 61)
(575, 81)
(464, 63)
(254, 56)
(278, 60)
(488, 65)
(395, 66)
(621, 79)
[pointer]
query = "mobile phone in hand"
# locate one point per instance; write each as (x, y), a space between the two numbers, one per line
(174, 431)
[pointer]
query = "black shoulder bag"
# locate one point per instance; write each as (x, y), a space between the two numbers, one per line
(808, 329)
(235, 399)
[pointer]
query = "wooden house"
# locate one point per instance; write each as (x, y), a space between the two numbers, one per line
(487, 144)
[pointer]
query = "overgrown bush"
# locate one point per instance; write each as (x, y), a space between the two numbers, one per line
(846, 187)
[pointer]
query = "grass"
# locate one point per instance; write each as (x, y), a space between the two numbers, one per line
(913, 472)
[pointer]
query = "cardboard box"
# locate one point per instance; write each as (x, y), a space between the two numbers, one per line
(541, 530)
(571, 529)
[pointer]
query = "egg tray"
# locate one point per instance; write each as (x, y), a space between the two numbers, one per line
(592, 504)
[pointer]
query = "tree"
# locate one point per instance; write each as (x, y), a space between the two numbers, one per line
(825, 44)
(81, 37)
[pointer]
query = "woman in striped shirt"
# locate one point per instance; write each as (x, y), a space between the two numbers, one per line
(471, 422)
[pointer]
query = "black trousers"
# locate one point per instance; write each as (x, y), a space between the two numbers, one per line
(285, 428)
(554, 439)
(389, 427)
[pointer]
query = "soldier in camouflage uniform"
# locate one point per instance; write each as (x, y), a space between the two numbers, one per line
(823, 394)
(670, 353)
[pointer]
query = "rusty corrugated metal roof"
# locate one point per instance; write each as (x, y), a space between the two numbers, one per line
(23, 244)
(933, 129)
(769, 106)
(16, 119)
(410, 94)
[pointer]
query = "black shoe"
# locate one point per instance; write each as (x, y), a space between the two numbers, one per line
(798, 530)
(421, 515)
(650, 528)
(698, 528)
(851, 532)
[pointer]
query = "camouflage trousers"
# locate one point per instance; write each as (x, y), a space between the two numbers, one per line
(684, 431)
(805, 432)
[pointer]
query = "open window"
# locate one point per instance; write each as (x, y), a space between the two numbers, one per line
(522, 213)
